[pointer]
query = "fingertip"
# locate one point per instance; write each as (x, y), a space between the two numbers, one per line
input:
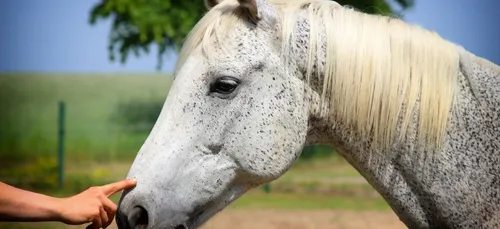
(132, 181)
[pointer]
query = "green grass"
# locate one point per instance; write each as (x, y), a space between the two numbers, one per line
(29, 115)
(29, 105)
(338, 167)
(295, 201)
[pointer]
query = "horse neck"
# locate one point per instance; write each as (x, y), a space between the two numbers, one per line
(403, 174)
(372, 164)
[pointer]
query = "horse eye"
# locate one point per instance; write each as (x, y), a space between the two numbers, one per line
(224, 85)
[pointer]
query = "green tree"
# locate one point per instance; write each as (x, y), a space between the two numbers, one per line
(137, 24)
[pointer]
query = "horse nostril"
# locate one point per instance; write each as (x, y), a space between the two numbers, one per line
(138, 218)
(180, 227)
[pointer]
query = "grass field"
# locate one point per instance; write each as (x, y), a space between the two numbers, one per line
(28, 121)
(100, 149)
(29, 106)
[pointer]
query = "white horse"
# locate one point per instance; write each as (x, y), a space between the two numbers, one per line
(417, 116)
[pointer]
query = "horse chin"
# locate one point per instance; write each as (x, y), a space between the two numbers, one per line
(205, 212)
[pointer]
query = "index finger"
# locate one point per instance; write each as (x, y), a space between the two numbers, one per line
(115, 187)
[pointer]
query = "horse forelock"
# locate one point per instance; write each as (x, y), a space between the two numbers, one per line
(378, 71)
(210, 30)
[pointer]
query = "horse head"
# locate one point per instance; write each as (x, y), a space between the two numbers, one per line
(233, 119)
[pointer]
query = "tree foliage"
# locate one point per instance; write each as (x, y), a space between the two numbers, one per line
(137, 24)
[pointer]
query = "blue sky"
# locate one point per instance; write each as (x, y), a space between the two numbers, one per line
(55, 36)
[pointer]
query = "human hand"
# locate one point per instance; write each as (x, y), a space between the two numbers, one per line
(93, 205)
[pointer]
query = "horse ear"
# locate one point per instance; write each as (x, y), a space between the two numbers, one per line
(250, 6)
(211, 3)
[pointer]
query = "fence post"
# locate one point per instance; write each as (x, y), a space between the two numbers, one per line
(60, 147)
(267, 187)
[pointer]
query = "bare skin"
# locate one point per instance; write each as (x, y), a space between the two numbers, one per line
(90, 206)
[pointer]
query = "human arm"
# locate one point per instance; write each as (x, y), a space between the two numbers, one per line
(21, 205)
(91, 205)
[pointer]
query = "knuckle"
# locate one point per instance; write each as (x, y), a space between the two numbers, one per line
(96, 191)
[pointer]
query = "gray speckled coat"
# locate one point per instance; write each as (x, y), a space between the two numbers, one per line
(236, 120)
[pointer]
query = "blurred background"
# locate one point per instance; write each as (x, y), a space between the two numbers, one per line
(82, 83)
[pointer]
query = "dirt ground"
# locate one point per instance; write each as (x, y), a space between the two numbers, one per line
(304, 219)
(274, 219)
